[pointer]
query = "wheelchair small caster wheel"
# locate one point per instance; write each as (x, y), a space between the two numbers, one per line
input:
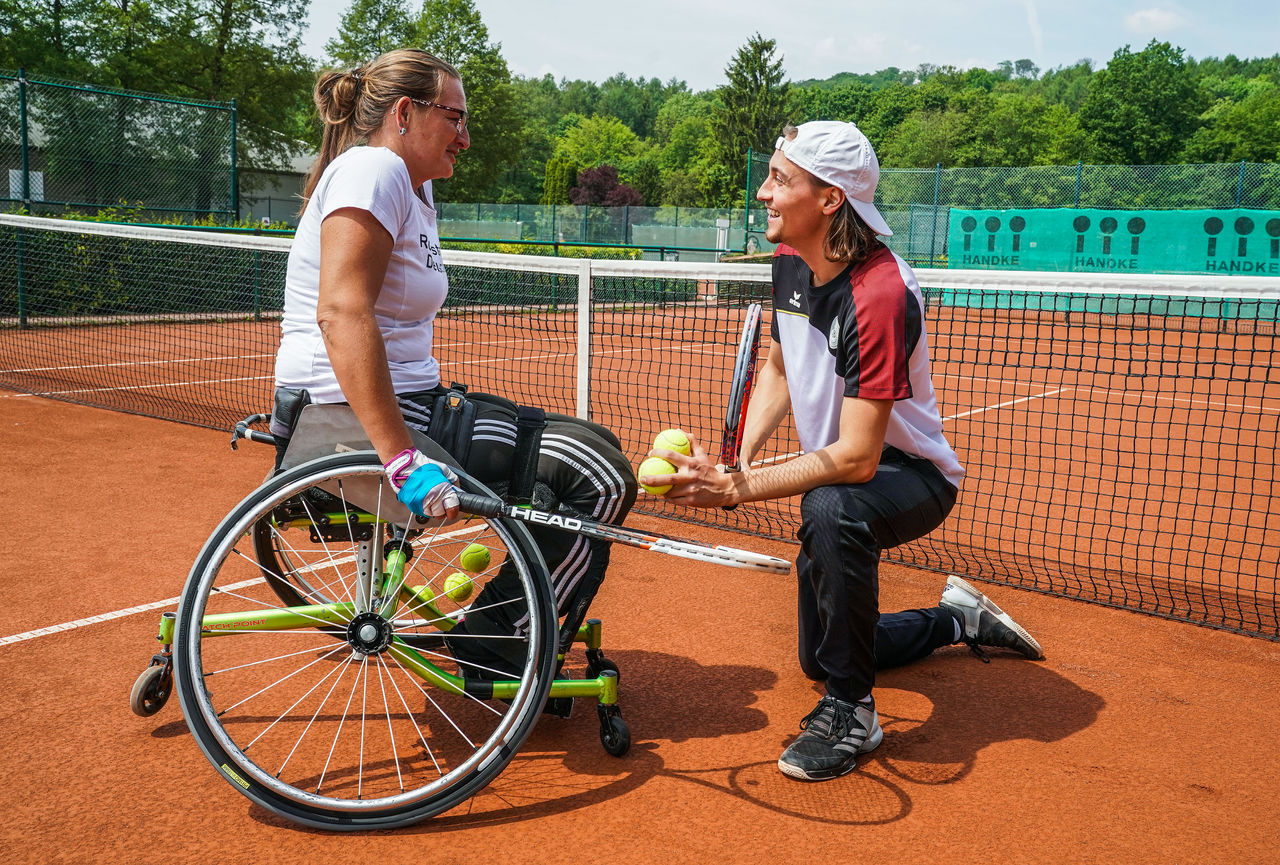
(596, 666)
(151, 691)
(615, 735)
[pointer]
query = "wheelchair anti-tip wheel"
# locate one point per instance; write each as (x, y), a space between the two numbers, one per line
(319, 679)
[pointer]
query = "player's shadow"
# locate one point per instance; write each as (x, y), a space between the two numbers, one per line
(563, 766)
(948, 709)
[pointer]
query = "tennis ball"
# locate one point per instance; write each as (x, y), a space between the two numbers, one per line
(458, 586)
(673, 440)
(475, 558)
(656, 466)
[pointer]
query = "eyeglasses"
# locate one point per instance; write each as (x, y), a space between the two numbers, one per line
(459, 122)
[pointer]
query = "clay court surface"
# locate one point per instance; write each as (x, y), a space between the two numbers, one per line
(1138, 739)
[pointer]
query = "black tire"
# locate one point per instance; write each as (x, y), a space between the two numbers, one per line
(615, 735)
(601, 665)
(151, 691)
(329, 734)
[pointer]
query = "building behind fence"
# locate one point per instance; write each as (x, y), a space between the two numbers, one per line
(68, 146)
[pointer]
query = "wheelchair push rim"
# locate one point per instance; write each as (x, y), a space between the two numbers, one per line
(311, 710)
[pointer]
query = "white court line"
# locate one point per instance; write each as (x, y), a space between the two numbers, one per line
(106, 617)
(81, 366)
(988, 408)
(975, 411)
(172, 602)
(138, 386)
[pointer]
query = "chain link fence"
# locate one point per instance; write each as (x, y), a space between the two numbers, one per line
(68, 145)
(916, 202)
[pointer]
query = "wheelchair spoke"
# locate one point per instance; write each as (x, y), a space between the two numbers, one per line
(346, 708)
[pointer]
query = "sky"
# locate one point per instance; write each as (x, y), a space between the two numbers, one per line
(694, 40)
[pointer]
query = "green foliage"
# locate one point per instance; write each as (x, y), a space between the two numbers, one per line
(370, 28)
(453, 30)
(559, 179)
(599, 140)
(1142, 107)
(750, 111)
(531, 137)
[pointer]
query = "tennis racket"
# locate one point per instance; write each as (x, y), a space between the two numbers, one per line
(483, 506)
(744, 378)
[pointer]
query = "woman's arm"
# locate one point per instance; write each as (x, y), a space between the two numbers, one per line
(354, 251)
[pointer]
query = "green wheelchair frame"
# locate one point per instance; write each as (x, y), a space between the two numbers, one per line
(315, 620)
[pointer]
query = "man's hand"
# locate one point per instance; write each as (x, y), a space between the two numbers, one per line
(423, 485)
(698, 481)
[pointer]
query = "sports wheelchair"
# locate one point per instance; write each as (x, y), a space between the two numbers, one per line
(312, 651)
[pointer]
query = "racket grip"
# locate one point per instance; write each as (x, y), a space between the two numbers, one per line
(480, 506)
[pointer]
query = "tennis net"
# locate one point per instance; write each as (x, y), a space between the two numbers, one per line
(1119, 432)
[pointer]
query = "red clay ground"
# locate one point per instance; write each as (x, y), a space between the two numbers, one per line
(1138, 740)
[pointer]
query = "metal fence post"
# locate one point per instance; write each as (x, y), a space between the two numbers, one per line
(235, 178)
(933, 220)
(26, 158)
(746, 205)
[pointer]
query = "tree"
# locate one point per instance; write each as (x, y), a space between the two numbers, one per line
(750, 112)
(454, 31)
(1246, 130)
(1142, 107)
(600, 186)
(558, 178)
(369, 28)
(600, 140)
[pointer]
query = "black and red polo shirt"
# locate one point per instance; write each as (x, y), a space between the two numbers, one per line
(860, 335)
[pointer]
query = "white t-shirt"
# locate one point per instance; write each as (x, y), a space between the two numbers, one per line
(375, 180)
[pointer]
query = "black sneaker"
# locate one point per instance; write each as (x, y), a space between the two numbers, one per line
(835, 733)
(985, 624)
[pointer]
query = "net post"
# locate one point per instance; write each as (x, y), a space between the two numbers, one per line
(584, 340)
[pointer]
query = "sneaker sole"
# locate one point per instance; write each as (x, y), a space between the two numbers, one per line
(985, 603)
(873, 741)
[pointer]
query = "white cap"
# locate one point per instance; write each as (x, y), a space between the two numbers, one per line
(839, 154)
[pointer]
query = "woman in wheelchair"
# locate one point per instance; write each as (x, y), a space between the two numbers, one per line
(363, 286)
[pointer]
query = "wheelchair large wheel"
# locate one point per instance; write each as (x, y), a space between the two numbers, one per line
(380, 727)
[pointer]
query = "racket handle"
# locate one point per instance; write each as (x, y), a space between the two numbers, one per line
(480, 506)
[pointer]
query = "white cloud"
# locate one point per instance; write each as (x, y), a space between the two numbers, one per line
(1146, 21)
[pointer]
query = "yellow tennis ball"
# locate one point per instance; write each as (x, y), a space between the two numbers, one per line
(458, 586)
(674, 440)
(475, 558)
(656, 466)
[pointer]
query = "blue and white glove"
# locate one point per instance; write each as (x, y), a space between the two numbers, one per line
(421, 484)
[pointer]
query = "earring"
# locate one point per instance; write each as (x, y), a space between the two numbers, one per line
(402, 130)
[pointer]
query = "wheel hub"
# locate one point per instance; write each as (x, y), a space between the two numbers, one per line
(369, 633)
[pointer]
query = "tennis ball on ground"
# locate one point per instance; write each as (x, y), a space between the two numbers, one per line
(673, 440)
(458, 586)
(475, 558)
(656, 466)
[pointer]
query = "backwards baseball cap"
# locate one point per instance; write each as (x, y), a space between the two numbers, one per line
(839, 154)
